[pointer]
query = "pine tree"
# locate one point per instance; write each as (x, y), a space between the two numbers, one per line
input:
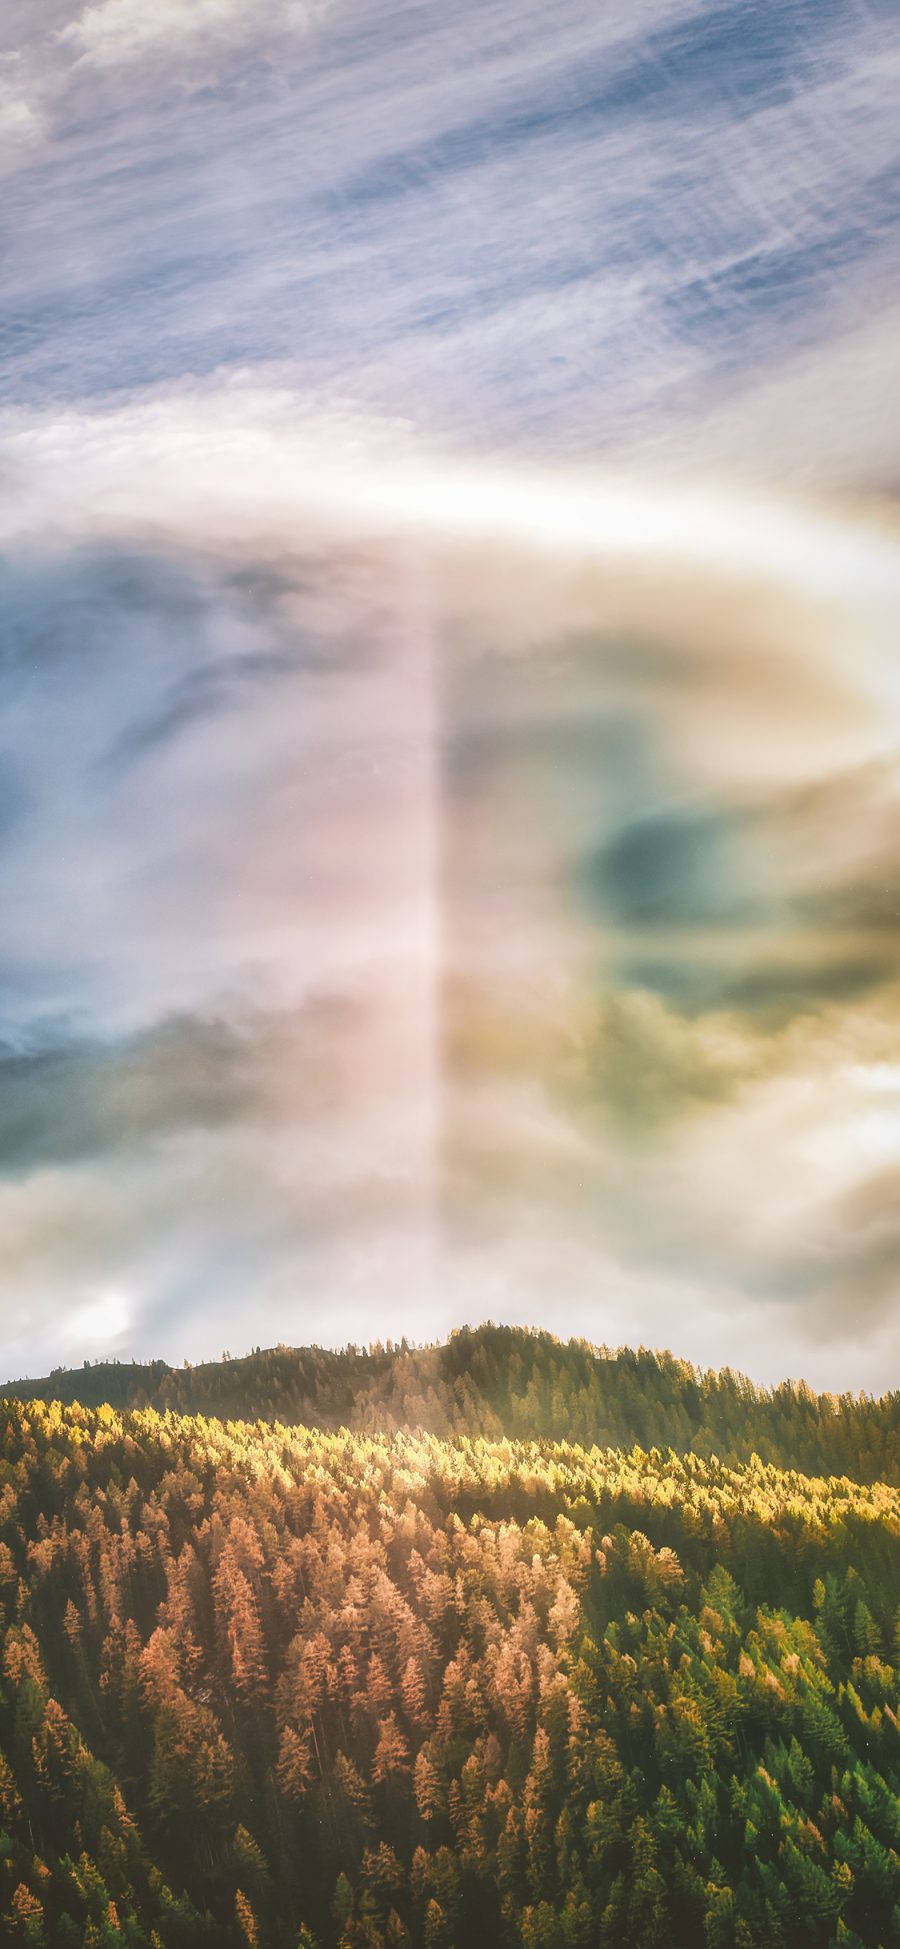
(391, 1759)
(246, 1921)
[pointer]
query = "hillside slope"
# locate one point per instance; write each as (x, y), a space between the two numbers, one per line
(495, 1380)
(264, 1688)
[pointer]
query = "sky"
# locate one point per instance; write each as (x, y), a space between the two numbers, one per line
(450, 678)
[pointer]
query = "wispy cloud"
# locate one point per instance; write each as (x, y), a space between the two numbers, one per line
(117, 31)
(611, 237)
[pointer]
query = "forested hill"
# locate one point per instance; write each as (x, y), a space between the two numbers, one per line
(510, 1381)
(273, 1688)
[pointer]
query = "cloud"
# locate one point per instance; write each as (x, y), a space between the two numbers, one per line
(282, 745)
(217, 1002)
(658, 1016)
(674, 864)
(848, 1265)
(104, 1322)
(235, 1229)
(766, 986)
(219, 782)
(623, 1061)
(641, 1065)
(73, 1098)
(642, 206)
(20, 124)
(750, 1204)
(826, 413)
(235, 464)
(203, 694)
(126, 31)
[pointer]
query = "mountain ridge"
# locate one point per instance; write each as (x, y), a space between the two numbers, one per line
(514, 1382)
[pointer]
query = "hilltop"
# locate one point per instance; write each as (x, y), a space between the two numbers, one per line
(514, 1382)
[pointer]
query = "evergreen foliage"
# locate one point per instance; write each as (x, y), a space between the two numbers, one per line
(278, 1686)
(510, 1381)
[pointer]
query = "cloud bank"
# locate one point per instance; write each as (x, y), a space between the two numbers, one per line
(437, 888)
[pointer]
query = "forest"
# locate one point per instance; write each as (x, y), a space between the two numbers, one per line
(502, 1381)
(274, 1686)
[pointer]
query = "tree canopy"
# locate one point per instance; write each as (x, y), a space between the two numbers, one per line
(303, 1689)
(511, 1381)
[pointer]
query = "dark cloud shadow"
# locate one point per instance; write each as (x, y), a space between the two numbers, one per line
(69, 1098)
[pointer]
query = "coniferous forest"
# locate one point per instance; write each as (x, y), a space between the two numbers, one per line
(512, 1382)
(269, 1686)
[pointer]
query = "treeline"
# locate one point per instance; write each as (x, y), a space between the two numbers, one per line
(266, 1687)
(508, 1381)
